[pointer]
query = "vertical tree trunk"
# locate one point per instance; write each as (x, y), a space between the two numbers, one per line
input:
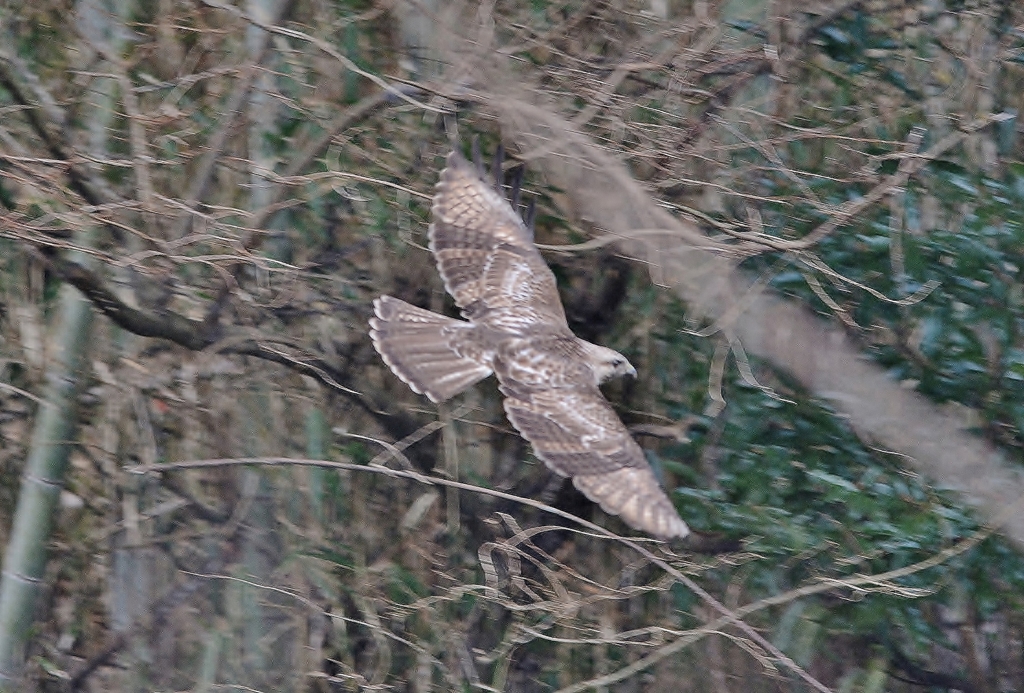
(52, 440)
(265, 663)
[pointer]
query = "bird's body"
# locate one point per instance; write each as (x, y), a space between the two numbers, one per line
(516, 328)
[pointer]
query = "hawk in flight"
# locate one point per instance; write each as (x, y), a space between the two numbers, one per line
(515, 328)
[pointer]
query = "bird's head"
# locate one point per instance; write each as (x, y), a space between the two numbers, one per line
(607, 363)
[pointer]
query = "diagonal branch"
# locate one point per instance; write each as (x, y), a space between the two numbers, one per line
(782, 331)
(202, 335)
(194, 335)
(46, 119)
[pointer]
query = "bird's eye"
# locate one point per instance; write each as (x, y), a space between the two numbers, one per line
(617, 362)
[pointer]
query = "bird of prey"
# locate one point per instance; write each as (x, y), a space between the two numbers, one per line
(515, 328)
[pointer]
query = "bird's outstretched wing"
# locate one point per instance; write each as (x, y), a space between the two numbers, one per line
(577, 433)
(486, 256)
(517, 329)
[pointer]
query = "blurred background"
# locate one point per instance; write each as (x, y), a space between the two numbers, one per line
(801, 222)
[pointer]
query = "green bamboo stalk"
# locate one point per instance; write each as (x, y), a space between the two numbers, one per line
(264, 663)
(41, 482)
(317, 432)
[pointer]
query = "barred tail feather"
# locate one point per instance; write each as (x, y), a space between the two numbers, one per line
(414, 344)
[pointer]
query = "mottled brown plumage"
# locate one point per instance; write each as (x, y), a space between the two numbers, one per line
(515, 327)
